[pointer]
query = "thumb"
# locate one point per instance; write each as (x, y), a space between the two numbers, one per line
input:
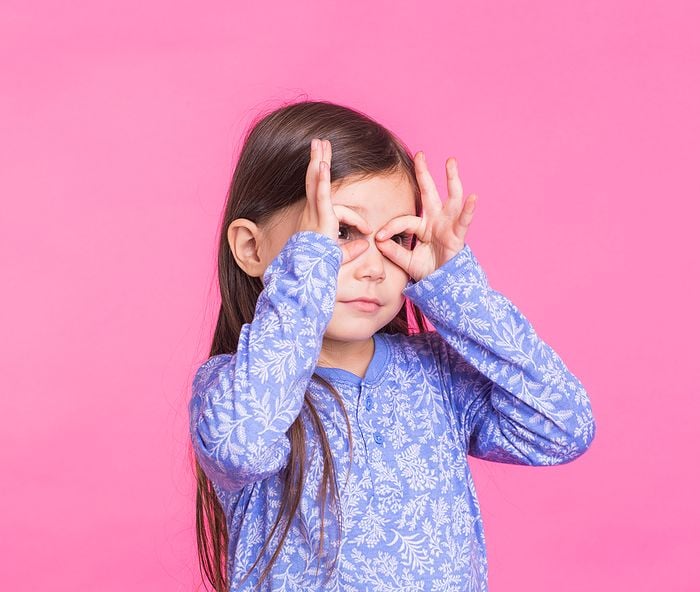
(353, 249)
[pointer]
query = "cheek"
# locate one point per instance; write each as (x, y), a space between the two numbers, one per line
(397, 275)
(394, 270)
(343, 275)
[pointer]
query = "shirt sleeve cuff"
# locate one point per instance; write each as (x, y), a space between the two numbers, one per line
(462, 265)
(307, 243)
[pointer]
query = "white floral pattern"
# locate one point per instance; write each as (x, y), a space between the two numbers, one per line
(482, 384)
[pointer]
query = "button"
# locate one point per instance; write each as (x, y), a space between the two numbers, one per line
(368, 402)
(378, 438)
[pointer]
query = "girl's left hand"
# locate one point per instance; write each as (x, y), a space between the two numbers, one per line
(440, 231)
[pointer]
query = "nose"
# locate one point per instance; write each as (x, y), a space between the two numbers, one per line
(370, 265)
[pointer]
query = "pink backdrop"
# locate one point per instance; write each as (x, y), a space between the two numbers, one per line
(576, 123)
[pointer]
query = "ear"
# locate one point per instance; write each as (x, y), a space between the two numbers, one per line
(244, 241)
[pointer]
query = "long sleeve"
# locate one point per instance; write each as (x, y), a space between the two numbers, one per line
(513, 398)
(242, 404)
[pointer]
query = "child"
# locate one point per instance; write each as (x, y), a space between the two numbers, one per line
(330, 441)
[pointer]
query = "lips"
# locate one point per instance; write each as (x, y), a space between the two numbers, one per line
(363, 299)
(365, 305)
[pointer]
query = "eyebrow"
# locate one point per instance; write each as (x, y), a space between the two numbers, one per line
(363, 211)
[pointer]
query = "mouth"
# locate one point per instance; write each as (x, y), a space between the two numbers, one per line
(374, 300)
(364, 304)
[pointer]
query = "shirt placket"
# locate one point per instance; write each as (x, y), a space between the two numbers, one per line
(373, 436)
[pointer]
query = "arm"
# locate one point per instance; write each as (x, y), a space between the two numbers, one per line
(514, 399)
(243, 404)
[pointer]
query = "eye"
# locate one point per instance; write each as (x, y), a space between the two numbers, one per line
(404, 239)
(345, 232)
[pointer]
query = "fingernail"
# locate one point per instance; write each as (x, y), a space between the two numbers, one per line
(381, 234)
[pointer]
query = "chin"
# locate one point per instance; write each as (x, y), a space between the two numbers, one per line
(357, 328)
(350, 333)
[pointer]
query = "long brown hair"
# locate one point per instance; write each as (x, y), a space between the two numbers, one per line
(270, 175)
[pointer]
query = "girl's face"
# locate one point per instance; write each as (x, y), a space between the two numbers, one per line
(370, 276)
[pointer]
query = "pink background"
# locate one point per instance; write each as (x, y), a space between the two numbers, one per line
(576, 123)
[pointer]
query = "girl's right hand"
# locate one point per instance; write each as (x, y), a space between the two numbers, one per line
(319, 214)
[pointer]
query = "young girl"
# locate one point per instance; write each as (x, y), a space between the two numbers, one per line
(330, 441)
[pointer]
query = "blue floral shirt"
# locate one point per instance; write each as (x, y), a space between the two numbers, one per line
(482, 384)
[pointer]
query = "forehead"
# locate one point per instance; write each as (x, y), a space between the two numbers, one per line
(377, 198)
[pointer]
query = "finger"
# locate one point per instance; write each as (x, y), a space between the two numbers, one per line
(396, 253)
(312, 170)
(467, 214)
(324, 160)
(353, 249)
(326, 152)
(412, 224)
(430, 197)
(349, 216)
(323, 193)
(454, 187)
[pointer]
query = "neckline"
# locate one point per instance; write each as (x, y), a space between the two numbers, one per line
(374, 372)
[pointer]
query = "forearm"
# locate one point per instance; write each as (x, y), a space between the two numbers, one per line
(243, 404)
(525, 406)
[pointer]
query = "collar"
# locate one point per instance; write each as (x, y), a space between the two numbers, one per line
(375, 370)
